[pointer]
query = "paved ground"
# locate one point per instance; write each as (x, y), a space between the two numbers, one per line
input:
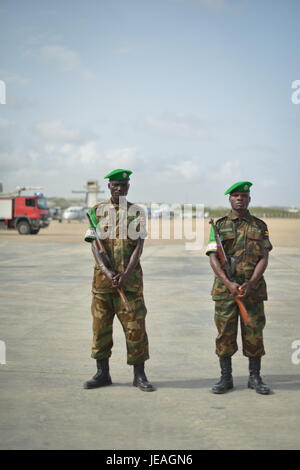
(46, 324)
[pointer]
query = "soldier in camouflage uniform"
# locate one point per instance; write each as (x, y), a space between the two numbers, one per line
(246, 238)
(121, 226)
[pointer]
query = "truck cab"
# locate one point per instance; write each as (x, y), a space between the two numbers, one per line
(27, 214)
(30, 214)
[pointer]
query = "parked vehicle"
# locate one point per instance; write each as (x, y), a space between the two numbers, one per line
(27, 214)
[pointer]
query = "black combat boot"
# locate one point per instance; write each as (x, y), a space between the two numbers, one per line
(255, 380)
(226, 382)
(102, 376)
(140, 379)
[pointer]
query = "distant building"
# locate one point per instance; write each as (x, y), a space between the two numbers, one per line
(92, 189)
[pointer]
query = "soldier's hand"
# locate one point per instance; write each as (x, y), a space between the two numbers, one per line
(119, 280)
(115, 280)
(244, 290)
(234, 288)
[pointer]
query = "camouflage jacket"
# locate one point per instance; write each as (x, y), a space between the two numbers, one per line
(115, 226)
(246, 240)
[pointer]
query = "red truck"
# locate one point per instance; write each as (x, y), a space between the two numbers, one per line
(27, 214)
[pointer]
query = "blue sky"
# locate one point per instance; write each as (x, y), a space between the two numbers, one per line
(191, 95)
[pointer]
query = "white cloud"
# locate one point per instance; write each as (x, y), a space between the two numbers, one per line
(5, 123)
(177, 125)
(33, 155)
(269, 183)
(230, 169)
(56, 131)
(89, 153)
(12, 77)
(189, 170)
(66, 59)
(124, 49)
(213, 4)
(233, 6)
(69, 153)
(196, 170)
(10, 160)
(121, 157)
(70, 156)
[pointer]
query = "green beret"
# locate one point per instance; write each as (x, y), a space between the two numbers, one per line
(241, 187)
(119, 174)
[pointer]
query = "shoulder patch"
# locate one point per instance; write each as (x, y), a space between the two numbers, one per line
(102, 207)
(102, 203)
(222, 218)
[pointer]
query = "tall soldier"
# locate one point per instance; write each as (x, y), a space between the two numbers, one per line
(121, 227)
(245, 238)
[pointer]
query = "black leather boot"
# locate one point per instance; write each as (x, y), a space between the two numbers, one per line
(255, 380)
(102, 377)
(140, 379)
(225, 383)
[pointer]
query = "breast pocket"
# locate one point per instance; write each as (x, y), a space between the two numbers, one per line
(227, 236)
(254, 244)
(253, 235)
(226, 231)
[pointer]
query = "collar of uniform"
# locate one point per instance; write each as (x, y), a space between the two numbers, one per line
(117, 206)
(246, 217)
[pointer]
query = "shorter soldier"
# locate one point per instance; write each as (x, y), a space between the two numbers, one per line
(245, 238)
(116, 220)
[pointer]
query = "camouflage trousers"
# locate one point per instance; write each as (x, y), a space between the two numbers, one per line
(104, 308)
(226, 319)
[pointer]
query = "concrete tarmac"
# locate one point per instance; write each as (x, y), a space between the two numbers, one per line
(46, 326)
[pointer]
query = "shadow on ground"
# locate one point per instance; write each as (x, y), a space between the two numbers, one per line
(276, 382)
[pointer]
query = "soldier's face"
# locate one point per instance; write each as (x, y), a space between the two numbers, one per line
(239, 201)
(117, 189)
